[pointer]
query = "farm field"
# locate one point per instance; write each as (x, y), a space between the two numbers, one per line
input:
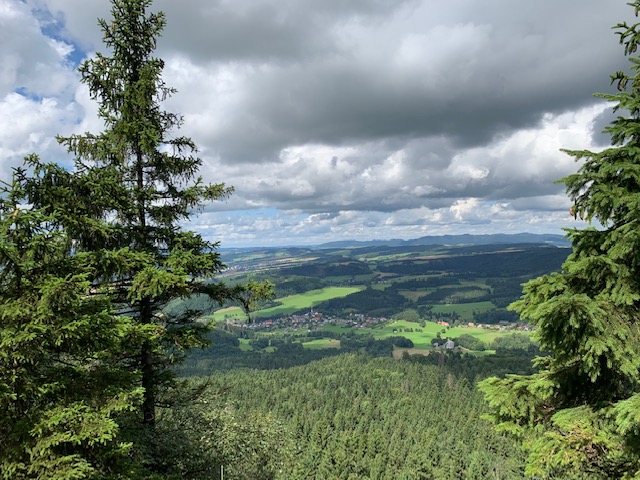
(322, 343)
(455, 283)
(464, 310)
(422, 337)
(289, 304)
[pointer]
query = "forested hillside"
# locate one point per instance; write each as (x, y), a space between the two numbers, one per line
(354, 416)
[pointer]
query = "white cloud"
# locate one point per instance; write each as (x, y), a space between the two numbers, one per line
(332, 119)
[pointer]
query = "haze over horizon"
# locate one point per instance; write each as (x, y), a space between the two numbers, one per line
(336, 120)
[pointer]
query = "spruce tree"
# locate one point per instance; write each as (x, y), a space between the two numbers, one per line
(147, 186)
(62, 385)
(579, 417)
(115, 219)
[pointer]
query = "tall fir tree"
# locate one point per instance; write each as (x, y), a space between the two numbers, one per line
(139, 183)
(62, 383)
(580, 416)
(116, 220)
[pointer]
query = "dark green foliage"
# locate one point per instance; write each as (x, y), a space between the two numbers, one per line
(495, 315)
(580, 416)
(63, 387)
(275, 352)
(352, 416)
(223, 353)
(515, 341)
(470, 342)
(131, 186)
(335, 269)
(89, 270)
(210, 440)
(528, 260)
(506, 291)
(366, 344)
(369, 302)
(219, 339)
(196, 303)
(477, 368)
(455, 294)
(294, 285)
(431, 282)
(400, 342)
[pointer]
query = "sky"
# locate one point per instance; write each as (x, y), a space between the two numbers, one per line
(344, 119)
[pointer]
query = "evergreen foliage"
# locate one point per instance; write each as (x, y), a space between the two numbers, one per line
(580, 417)
(88, 268)
(470, 342)
(357, 417)
(63, 384)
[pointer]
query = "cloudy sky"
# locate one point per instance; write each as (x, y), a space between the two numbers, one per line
(345, 119)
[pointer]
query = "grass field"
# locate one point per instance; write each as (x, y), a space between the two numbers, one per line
(244, 345)
(289, 304)
(465, 310)
(422, 337)
(322, 343)
(431, 329)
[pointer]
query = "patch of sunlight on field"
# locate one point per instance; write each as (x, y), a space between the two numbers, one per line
(289, 304)
(294, 303)
(322, 343)
(422, 337)
(232, 313)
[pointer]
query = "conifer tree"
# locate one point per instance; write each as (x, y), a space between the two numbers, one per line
(146, 184)
(122, 205)
(579, 417)
(62, 385)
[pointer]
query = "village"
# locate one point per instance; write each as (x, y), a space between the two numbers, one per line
(314, 320)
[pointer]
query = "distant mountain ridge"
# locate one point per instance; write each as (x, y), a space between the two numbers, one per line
(464, 239)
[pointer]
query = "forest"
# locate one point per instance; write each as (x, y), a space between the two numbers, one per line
(355, 416)
(114, 364)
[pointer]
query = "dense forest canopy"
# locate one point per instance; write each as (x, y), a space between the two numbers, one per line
(354, 416)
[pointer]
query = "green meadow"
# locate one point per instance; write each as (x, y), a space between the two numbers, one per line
(464, 310)
(289, 304)
(421, 337)
(322, 343)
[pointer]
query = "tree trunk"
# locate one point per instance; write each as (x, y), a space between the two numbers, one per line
(148, 370)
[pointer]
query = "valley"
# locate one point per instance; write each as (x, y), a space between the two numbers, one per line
(384, 300)
(365, 362)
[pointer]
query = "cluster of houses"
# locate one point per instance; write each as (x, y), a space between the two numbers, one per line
(317, 319)
(314, 319)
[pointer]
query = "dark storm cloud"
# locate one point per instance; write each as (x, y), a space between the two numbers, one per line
(266, 30)
(600, 123)
(481, 73)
